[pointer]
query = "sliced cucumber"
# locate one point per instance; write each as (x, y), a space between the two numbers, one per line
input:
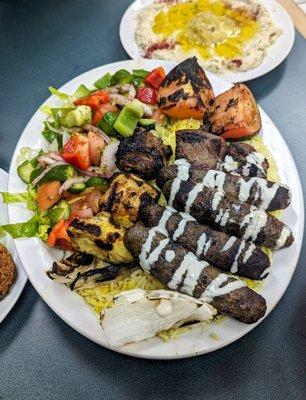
(59, 212)
(35, 173)
(25, 170)
(107, 123)
(95, 181)
(77, 117)
(77, 187)
(147, 122)
(59, 173)
(103, 82)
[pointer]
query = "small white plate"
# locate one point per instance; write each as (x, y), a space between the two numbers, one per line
(277, 52)
(8, 302)
(36, 257)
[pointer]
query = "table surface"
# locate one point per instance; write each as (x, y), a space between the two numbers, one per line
(46, 43)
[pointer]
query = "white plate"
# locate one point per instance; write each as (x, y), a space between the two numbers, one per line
(8, 302)
(37, 257)
(275, 54)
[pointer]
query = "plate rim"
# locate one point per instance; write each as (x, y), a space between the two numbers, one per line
(230, 76)
(165, 357)
(22, 277)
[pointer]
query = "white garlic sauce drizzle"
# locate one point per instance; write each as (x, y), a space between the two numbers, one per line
(265, 272)
(203, 244)
(229, 243)
(249, 252)
(214, 179)
(218, 196)
(228, 164)
(146, 257)
(192, 268)
(182, 225)
(183, 167)
(175, 187)
(193, 194)
(169, 255)
(285, 233)
(263, 192)
(214, 290)
(234, 267)
(254, 222)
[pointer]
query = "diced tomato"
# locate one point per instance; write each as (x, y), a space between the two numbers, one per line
(48, 194)
(59, 236)
(156, 77)
(96, 146)
(235, 133)
(147, 95)
(93, 100)
(87, 205)
(103, 109)
(76, 151)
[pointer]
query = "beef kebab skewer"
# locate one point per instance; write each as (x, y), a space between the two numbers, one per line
(182, 271)
(221, 250)
(267, 195)
(212, 207)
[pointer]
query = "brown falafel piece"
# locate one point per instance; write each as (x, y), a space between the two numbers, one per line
(7, 271)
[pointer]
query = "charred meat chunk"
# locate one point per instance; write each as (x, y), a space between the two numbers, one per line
(199, 148)
(143, 154)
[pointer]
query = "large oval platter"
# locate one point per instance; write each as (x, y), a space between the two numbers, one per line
(36, 257)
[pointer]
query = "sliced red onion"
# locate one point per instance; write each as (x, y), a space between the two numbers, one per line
(108, 159)
(69, 182)
(119, 99)
(98, 131)
(92, 171)
(36, 180)
(128, 88)
(50, 158)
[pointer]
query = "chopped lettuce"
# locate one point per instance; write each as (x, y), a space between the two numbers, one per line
(26, 153)
(9, 198)
(39, 225)
(62, 96)
(22, 229)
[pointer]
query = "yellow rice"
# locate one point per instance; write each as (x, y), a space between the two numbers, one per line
(101, 295)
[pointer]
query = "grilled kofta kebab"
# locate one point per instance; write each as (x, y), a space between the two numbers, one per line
(212, 207)
(221, 250)
(261, 193)
(181, 270)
